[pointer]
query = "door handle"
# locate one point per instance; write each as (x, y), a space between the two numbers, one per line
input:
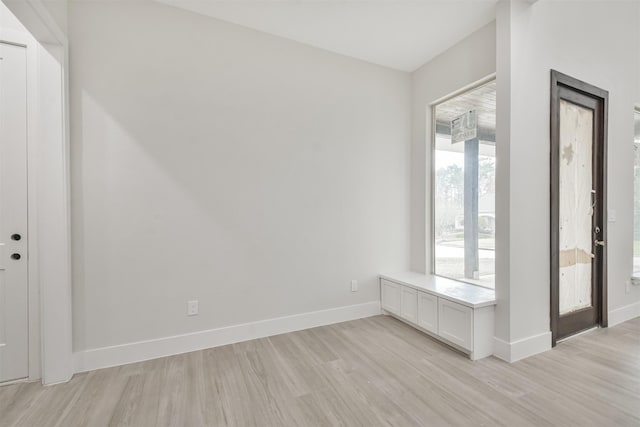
(16, 256)
(599, 242)
(16, 237)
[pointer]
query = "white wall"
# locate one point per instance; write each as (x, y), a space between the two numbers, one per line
(8, 22)
(45, 19)
(593, 41)
(58, 9)
(472, 59)
(217, 163)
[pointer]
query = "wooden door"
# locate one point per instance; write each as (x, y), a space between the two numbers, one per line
(578, 203)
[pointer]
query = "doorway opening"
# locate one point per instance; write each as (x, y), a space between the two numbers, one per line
(37, 333)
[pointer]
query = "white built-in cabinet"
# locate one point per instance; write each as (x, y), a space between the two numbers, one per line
(428, 312)
(409, 304)
(390, 296)
(456, 323)
(460, 314)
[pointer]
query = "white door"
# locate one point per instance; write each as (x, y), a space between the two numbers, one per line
(14, 338)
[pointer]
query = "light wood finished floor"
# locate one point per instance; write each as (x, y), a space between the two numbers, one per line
(371, 372)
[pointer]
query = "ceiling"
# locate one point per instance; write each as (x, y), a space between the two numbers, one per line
(400, 34)
(481, 99)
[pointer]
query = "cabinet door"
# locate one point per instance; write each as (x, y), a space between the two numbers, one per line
(390, 296)
(455, 323)
(409, 304)
(428, 312)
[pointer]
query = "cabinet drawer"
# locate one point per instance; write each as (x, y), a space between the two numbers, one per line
(428, 312)
(455, 323)
(390, 296)
(409, 304)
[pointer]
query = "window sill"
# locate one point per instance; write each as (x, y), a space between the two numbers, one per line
(462, 293)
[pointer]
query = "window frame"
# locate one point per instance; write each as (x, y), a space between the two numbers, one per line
(432, 174)
(635, 279)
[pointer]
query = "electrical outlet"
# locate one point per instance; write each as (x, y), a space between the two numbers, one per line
(354, 286)
(192, 308)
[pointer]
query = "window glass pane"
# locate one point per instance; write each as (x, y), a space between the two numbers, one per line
(464, 186)
(636, 198)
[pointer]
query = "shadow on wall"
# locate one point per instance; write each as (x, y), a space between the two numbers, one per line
(214, 161)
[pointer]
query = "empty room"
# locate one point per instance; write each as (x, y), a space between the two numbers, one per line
(319, 213)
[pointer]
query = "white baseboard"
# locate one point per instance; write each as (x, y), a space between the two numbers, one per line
(89, 360)
(517, 350)
(521, 349)
(623, 314)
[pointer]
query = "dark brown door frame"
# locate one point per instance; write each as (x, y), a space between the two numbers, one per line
(561, 83)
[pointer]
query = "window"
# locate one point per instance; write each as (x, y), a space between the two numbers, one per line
(464, 171)
(636, 196)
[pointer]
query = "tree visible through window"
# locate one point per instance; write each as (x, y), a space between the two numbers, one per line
(464, 186)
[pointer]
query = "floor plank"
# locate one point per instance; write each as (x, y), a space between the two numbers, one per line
(369, 372)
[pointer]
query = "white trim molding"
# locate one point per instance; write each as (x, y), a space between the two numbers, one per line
(523, 348)
(105, 357)
(20, 38)
(50, 344)
(48, 187)
(623, 314)
(34, 15)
